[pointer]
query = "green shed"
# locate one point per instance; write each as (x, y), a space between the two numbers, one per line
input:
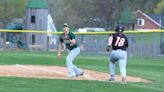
(36, 19)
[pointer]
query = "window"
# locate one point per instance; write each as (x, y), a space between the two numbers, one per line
(32, 19)
(33, 39)
(140, 22)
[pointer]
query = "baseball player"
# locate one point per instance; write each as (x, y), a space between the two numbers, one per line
(68, 38)
(119, 43)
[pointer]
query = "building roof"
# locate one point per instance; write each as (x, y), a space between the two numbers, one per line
(152, 17)
(159, 18)
(38, 4)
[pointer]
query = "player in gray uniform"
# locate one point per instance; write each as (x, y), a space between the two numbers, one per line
(68, 38)
(119, 42)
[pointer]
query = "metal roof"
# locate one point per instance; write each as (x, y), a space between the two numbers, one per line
(38, 4)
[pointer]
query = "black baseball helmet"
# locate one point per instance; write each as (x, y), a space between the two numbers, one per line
(119, 28)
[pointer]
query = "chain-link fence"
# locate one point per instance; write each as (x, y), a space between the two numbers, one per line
(140, 45)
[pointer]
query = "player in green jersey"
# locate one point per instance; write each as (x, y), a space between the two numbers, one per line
(68, 38)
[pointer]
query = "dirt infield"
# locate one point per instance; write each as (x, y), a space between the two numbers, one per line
(56, 72)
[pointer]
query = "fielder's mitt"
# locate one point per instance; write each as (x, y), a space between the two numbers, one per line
(108, 48)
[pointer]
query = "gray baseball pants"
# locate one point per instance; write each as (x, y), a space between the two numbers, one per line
(120, 56)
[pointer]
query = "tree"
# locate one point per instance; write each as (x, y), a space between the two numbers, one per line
(109, 10)
(8, 10)
(105, 13)
(80, 12)
(160, 7)
(76, 12)
(126, 16)
(11, 9)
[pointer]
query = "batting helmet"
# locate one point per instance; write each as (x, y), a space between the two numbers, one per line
(119, 28)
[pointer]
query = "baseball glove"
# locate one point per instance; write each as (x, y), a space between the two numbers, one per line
(108, 48)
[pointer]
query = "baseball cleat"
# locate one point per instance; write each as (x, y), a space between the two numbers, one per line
(80, 74)
(111, 80)
(71, 76)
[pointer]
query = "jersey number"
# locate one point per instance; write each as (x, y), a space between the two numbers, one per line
(119, 42)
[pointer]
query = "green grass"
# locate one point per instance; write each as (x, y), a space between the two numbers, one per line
(54, 85)
(148, 68)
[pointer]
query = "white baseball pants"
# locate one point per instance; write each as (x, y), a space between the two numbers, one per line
(72, 69)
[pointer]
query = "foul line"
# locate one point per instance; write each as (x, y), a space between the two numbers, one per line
(42, 69)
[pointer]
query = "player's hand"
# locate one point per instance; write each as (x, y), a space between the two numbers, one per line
(108, 48)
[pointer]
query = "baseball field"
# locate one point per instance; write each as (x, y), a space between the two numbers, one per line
(27, 72)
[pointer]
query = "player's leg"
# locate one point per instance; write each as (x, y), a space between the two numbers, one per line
(69, 63)
(112, 61)
(71, 68)
(112, 71)
(77, 71)
(122, 66)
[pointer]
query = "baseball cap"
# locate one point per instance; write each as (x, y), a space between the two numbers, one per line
(65, 25)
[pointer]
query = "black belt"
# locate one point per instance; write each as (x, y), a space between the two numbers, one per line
(120, 49)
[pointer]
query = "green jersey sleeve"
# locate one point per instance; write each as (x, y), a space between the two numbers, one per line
(72, 36)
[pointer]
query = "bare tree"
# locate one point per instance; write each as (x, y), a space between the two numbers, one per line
(10, 9)
(105, 13)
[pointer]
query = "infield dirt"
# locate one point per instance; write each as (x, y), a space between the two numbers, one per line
(56, 72)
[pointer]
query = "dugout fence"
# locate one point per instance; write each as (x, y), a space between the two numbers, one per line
(141, 43)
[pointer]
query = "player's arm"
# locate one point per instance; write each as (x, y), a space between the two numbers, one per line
(110, 39)
(72, 41)
(60, 47)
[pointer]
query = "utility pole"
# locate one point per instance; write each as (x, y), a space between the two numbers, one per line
(5, 21)
(162, 34)
(162, 22)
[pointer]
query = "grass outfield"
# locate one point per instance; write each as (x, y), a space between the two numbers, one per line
(149, 68)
